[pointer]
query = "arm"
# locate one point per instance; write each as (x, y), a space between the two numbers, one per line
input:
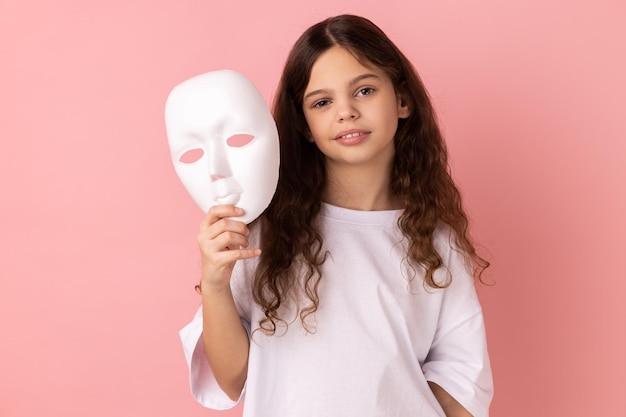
(457, 365)
(450, 406)
(225, 340)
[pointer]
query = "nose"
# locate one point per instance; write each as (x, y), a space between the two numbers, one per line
(346, 111)
(218, 161)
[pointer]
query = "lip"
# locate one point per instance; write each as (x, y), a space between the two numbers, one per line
(230, 199)
(355, 132)
(226, 190)
(352, 136)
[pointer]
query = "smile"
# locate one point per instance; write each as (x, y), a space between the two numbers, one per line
(351, 137)
(350, 134)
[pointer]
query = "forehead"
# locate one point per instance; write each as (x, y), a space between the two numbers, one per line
(215, 98)
(338, 65)
(215, 92)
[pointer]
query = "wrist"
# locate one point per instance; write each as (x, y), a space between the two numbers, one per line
(211, 288)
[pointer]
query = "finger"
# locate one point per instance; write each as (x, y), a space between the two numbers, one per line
(223, 226)
(228, 241)
(218, 212)
(230, 256)
(224, 243)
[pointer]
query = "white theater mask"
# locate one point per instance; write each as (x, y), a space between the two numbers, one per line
(223, 142)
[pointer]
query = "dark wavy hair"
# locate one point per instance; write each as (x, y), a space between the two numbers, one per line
(291, 242)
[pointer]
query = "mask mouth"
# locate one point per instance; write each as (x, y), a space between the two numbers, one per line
(227, 191)
(230, 199)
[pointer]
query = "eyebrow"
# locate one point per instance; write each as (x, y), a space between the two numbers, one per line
(354, 81)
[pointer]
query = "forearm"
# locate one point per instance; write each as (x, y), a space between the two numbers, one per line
(450, 406)
(225, 340)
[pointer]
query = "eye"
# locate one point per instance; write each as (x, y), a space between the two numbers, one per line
(191, 156)
(240, 140)
(321, 103)
(366, 91)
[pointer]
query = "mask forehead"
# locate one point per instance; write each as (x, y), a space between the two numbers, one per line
(206, 113)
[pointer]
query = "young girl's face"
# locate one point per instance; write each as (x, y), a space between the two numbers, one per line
(352, 110)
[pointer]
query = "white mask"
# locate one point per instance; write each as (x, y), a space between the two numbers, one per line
(223, 141)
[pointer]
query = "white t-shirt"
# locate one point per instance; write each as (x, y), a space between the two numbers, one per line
(379, 337)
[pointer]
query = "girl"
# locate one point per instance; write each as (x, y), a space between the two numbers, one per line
(362, 301)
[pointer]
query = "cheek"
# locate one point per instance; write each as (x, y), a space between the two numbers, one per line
(318, 122)
(308, 119)
(312, 126)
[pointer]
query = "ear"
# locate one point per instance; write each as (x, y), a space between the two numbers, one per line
(404, 110)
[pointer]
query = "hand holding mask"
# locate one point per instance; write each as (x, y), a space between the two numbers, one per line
(223, 142)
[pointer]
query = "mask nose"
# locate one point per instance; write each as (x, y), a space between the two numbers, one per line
(218, 161)
(224, 187)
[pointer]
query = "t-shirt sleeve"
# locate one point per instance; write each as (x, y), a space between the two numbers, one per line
(203, 384)
(204, 387)
(458, 360)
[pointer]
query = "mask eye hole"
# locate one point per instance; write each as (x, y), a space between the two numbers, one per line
(191, 156)
(240, 140)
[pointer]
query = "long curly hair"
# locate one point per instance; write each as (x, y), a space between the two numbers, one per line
(290, 265)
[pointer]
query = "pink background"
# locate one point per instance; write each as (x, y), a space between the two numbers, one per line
(97, 236)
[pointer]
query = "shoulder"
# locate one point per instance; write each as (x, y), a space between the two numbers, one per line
(455, 261)
(444, 240)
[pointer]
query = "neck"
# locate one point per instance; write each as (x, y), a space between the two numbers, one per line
(357, 188)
